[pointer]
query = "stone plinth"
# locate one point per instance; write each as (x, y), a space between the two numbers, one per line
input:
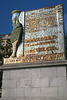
(35, 81)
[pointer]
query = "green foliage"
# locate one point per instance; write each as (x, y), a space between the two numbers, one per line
(7, 48)
(5, 51)
(1, 46)
(1, 49)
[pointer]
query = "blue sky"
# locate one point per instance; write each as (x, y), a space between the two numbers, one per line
(7, 6)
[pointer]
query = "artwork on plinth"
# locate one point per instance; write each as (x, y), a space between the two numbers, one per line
(37, 35)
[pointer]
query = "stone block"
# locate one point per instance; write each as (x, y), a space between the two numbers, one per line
(48, 72)
(28, 74)
(36, 83)
(55, 99)
(10, 93)
(6, 75)
(40, 82)
(15, 74)
(35, 74)
(44, 82)
(5, 93)
(57, 81)
(13, 99)
(62, 91)
(6, 84)
(24, 83)
(27, 83)
(49, 92)
(53, 81)
(35, 92)
(20, 93)
(20, 83)
(27, 98)
(28, 92)
(39, 98)
(61, 81)
(22, 72)
(62, 71)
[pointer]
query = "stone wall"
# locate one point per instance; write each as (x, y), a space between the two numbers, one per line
(39, 83)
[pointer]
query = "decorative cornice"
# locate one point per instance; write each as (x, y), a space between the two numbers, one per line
(34, 65)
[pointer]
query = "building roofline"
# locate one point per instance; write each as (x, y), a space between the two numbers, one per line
(5, 34)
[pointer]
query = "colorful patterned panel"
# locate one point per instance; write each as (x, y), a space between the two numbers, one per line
(44, 33)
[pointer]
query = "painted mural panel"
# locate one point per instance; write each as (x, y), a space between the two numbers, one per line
(44, 35)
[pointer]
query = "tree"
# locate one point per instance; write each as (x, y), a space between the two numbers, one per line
(1, 51)
(5, 51)
(1, 46)
(7, 48)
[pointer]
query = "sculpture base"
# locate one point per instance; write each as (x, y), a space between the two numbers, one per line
(13, 60)
(35, 81)
(35, 58)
